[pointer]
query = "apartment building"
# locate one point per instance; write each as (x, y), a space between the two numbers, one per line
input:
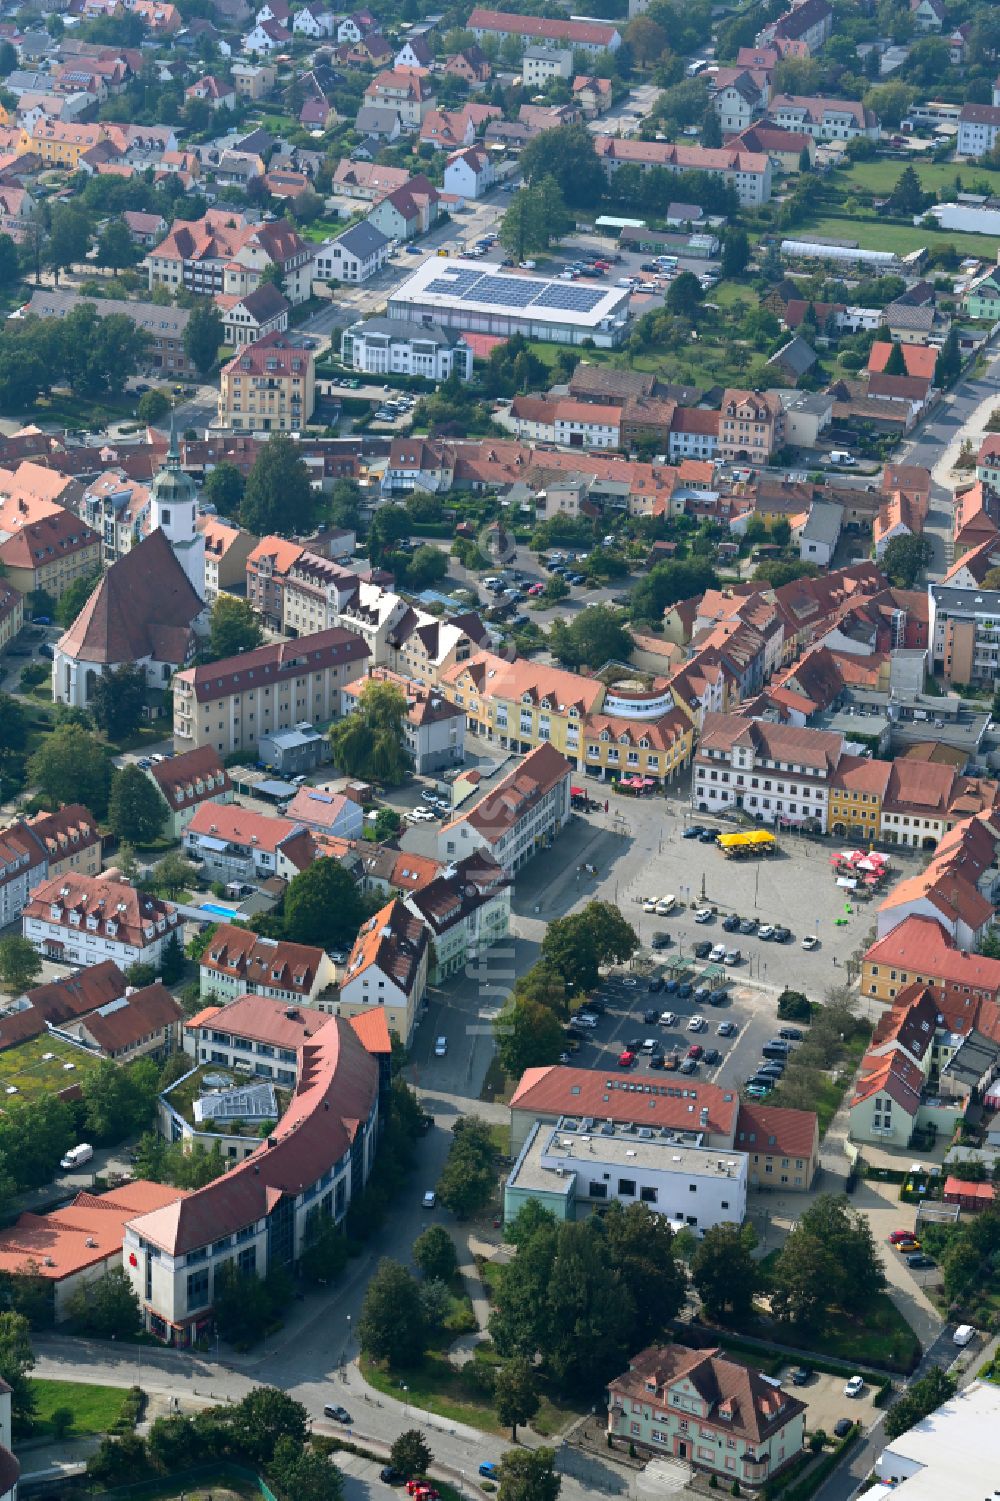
(748, 173)
(659, 749)
(388, 968)
(267, 569)
(233, 844)
(395, 346)
(259, 1215)
(186, 782)
(227, 551)
(51, 553)
(434, 728)
(268, 386)
(858, 787)
(524, 813)
(353, 256)
(957, 888)
(465, 909)
(965, 634)
(824, 119)
(724, 1419)
(11, 614)
(409, 93)
(117, 508)
(230, 704)
(81, 919)
(918, 951)
(571, 424)
(751, 426)
(165, 326)
(143, 1023)
(978, 129)
(223, 252)
(237, 961)
(578, 36)
(60, 143)
(523, 704)
(71, 839)
(776, 773)
(23, 864)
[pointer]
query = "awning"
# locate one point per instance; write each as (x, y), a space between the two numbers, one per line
(577, 792)
(847, 883)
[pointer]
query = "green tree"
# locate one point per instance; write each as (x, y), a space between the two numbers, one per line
(390, 524)
(529, 1475)
(278, 496)
(536, 216)
(667, 583)
(305, 1473)
(324, 1255)
(435, 1254)
(97, 355)
(589, 1312)
(371, 743)
(203, 335)
(153, 407)
(948, 365)
(345, 504)
(75, 596)
(411, 1453)
(115, 250)
(829, 1262)
(69, 237)
(235, 627)
(107, 1308)
(904, 558)
(16, 1360)
(264, 1417)
(515, 1394)
(392, 1325)
(567, 155)
(907, 198)
(172, 960)
(118, 1460)
(119, 1101)
(711, 129)
(136, 811)
(10, 269)
(426, 567)
(576, 946)
(528, 1036)
(641, 1249)
(173, 874)
(896, 363)
(591, 638)
(72, 766)
(223, 489)
(685, 296)
(468, 1178)
(118, 700)
(323, 906)
(544, 984)
(19, 963)
(387, 823)
(724, 1272)
(735, 252)
(645, 39)
(922, 1398)
(556, 588)
(13, 724)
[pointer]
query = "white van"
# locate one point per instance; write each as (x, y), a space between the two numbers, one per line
(964, 1335)
(77, 1156)
(841, 456)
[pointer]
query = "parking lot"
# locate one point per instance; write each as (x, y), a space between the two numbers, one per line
(825, 1398)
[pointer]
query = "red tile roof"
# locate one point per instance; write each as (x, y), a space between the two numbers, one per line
(81, 1234)
(191, 777)
(738, 1399)
(267, 962)
(773, 1130)
(554, 1090)
(122, 1024)
(109, 899)
(274, 663)
(143, 607)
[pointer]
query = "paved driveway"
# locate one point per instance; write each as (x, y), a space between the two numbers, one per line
(825, 1400)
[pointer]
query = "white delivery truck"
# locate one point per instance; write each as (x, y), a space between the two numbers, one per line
(77, 1156)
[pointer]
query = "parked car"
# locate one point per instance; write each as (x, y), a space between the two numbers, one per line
(733, 956)
(693, 831)
(697, 1024)
(489, 1469)
(801, 1375)
(790, 1034)
(335, 1411)
(389, 1475)
(726, 1029)
(712, 1056)
(718, 953)
(668, 1018)
(702, 948)
(429, 1199)
(585, 1019)
(661, 941)
(854, 1387)
(626, 1058)
(651, 1016)
(441, 1047)
(731, 924)
(765, 932)
(695, 1050)
(655, 984)
(748, 925)
(810, 941)
(842, 1427)
(897, 1236)
(920, 1262)
(689, 1066)
(703, 914)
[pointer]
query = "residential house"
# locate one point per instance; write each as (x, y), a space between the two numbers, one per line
(47, 553)
(268, 386)
(471, 64)
(982, 300)
(928, 15)
(230, 704)
(951, 889)
(434, 728)
(469, 173)
(236, 961)
(253, 316)
(579, 36)
(356, 255)
(215, 254)
(801, 31)
(378, 122)
(266, 37)
(234, 845)
(824, 119)
(751, 426)
(80, 919)
(188, 781)
(254, 81)
(410, 94)
(143, 1023)
(214, 91)
(594, 96)
(540, 64)
(725, 1419)
(227, 549)
(523, 813)
(313, 21)
(325, 811)
(919, 951)
(748, 174)
(737, 98)
(414, 53)
(367, 180)
(388, 967)
(407, 211)
(11, 614)
(70, 838)
(964, 638)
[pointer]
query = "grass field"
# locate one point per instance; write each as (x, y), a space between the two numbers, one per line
(41, 1066)
(899, 238)
(94, 1408)
(881, 176)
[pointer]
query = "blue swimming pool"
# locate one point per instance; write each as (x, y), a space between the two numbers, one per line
(216, 910)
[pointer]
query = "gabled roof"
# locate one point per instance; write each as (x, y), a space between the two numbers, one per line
(144, 606)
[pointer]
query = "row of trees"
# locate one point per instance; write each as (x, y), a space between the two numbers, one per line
(92, 356)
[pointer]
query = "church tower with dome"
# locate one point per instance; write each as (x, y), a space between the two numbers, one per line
(173, 506)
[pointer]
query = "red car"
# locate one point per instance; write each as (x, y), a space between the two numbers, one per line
(900, 1237)
(626, 1059)
(695, 1050)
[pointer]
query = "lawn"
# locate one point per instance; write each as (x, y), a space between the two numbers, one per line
(95, 1408)
(880, 177)
(41, 1066)
(871, 234)
(462, 1395)
(70, 411)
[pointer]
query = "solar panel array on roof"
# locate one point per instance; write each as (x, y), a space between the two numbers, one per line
(502, 291)
(454, 283)
(569, 298)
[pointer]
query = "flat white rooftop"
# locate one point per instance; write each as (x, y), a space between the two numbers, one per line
(466, 286)
(951, 1455)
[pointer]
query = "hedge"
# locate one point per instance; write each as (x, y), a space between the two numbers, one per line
(807, 1488)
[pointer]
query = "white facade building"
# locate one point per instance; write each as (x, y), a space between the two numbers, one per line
(522, 814)
(78, 919)
(540, 64)
(354, 256)
(950, 1453)
(394, 346)
(583, 1162)
(978, 128)
(774, 772)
